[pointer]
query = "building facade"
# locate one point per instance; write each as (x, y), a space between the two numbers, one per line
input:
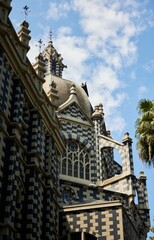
(58, 175)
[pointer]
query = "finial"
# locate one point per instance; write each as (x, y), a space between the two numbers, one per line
(100, 106)
(40, 45)
(73, 89)
(50, 35)
(126, 138)
(97, 114)
(26, 11)
(108, 133)
(142, 176)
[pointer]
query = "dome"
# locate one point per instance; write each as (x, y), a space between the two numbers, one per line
(63, 87)
(54, 68)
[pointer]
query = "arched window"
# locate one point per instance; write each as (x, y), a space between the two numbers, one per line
(75, 161)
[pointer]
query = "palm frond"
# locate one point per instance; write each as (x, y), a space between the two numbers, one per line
(145, 105)
(145, 131)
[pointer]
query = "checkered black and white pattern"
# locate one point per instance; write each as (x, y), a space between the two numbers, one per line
(74, 112)
(102, 223)
(29, 165)
(30, 148)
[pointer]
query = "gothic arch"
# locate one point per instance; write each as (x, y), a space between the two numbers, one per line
(115, 145)
(121, 149)
(76, 137)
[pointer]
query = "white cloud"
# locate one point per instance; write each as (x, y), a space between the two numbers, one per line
(110, 100)
(114, 24)
(33, 54)
(106, 77)
(116, 124)
(75, 54)
(133, 75)
(57, 10)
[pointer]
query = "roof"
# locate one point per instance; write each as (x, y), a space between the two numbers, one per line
(63, 87)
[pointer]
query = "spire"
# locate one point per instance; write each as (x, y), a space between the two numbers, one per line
(24, 35)
(53, 59)
(50, 36)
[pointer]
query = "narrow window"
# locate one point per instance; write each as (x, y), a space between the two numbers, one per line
(64, 166)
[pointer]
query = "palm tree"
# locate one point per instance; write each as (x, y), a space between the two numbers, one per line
(145, 131)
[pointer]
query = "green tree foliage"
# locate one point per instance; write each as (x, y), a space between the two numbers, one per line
(145, 131)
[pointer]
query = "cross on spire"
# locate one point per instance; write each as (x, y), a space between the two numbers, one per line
(26, 11)
(40, 44)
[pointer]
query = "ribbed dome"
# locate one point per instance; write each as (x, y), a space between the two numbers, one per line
(63, 87)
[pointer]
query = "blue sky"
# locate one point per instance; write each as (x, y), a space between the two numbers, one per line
(109, 45)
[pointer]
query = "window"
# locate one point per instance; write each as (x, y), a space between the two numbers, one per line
(69, 167)
(75, 161)
(64, 166)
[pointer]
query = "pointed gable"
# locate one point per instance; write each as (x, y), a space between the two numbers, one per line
(71, 109)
